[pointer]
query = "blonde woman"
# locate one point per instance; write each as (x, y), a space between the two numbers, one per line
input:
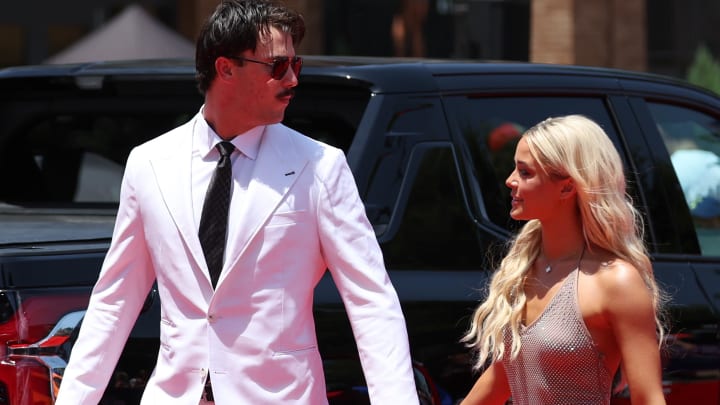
(574, 299)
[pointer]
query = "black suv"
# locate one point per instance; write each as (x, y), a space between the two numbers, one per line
(430, 144)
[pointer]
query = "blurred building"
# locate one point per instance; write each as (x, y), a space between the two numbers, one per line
(658, 36)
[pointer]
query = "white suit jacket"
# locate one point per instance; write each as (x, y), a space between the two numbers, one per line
(255, 332)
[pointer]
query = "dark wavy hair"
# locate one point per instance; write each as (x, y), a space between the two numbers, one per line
(236, 26)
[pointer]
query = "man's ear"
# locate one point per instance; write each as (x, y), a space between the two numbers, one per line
(223, 67)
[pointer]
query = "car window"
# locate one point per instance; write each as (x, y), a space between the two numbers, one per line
(692, 139)
(414, 197)
(388, 149)
(489, 128)
(436, 231)
(328, 113)
(75, 158)
(72, 153)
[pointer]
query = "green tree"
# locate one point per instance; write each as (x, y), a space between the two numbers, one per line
(705, 70)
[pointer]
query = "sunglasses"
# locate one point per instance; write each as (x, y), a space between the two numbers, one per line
(279, 65)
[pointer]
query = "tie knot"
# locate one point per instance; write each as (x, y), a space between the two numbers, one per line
(225, 148)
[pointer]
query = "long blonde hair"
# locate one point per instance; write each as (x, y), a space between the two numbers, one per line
(576, 147)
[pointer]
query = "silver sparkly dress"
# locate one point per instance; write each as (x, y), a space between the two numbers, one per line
(558, 362)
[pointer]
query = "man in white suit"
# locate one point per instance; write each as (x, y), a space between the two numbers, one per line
(294, 212)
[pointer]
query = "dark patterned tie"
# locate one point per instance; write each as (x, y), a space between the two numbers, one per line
(213, 221)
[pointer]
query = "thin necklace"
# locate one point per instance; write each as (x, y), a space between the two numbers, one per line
(548, 268)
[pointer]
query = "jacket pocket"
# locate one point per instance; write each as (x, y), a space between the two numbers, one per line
(286, 218)
(295, 352)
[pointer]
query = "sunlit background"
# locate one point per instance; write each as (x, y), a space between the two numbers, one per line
(658, 36)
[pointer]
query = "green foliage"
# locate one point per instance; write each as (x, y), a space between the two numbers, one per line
(705, 70)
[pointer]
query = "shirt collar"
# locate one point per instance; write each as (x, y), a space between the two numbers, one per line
(248, 142)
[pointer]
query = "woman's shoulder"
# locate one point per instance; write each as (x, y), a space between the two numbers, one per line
(617, 285)
(612, 275)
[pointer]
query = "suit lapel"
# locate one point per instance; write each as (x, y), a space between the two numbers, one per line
(276, 168)
(172, 171)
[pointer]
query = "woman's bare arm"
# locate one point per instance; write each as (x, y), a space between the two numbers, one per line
(629, 310)
(491, 388)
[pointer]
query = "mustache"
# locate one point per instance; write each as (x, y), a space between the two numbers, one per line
(286, 93)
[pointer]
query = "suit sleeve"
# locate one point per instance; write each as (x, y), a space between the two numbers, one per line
(355, 261)
(119, 293)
